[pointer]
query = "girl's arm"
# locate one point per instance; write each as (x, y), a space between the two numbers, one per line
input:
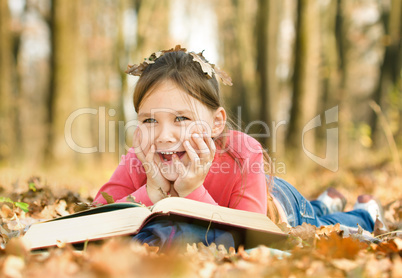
(128, 179)
(233, 189)
(250, 191)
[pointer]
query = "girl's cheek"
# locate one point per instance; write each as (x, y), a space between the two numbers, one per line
(198, 127)
(146, 144)
(146, 138)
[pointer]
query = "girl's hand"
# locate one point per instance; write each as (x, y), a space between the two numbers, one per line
(193, 176)
(157, 186)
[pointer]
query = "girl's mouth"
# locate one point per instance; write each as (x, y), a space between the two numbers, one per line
(167, 156)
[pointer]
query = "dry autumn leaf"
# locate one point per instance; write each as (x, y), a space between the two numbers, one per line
(206, 67)
(336, 247)
(109, 199)
(327, 230)
(226, 79)
(6, 211)
(305, 231)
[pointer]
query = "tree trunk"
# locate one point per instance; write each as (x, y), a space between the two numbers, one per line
(235, 20)
(390, 70)
(267, 33)
(70, 133)
(330, 74)
(33, 73)
(7, 87)
(305, 79)
(343, 64)
(152, 29)
(122, 55)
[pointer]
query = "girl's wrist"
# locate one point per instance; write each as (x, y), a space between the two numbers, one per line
(154, 194)
(164, 194)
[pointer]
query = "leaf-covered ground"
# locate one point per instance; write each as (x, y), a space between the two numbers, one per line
(315, 252)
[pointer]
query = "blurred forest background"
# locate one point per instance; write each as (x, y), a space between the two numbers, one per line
(62, 65)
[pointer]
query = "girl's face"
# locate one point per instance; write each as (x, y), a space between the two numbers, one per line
(167, 117)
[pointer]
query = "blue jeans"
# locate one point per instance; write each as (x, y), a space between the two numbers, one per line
(299, 210)
(167, 234)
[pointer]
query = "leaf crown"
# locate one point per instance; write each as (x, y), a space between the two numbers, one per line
(208, 68)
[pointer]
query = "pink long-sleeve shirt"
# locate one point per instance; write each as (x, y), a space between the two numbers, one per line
(225, 184)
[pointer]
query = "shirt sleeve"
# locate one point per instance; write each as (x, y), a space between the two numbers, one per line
(122, 183)
(140, 195)
(201, 195)
(244, 189)
(250, 190)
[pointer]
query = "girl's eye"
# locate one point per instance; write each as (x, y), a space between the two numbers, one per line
(181, 118)
(149, 121)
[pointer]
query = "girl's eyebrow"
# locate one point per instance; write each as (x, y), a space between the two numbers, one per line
(144, 115)
(186, 111)
(147, 115)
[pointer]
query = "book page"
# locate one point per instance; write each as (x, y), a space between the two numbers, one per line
(218, 214)
(100, 209)
(82, 228)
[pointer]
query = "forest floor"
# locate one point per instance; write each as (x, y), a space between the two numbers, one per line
(311, 251)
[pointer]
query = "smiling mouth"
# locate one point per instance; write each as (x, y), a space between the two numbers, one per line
(167, 156)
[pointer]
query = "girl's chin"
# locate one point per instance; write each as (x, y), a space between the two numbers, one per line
(170, 176)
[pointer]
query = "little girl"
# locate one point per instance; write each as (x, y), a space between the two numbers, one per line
(183, 147)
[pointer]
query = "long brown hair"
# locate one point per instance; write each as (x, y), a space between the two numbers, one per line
(180, 68)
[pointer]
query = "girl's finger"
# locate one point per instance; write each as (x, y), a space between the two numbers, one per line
(151, 153)
(211, 144)
(203, 144)
(179, 166)
(148, 162)
(200, 143)
(191, 152)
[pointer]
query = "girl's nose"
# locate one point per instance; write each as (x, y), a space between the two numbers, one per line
(166, 134)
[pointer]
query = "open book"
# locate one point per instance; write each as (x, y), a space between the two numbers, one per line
(128, 219)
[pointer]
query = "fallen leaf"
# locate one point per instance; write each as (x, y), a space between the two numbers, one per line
(327, 230)
(17, 247)
(379, 228)
(397, 267)
(306, 232)
(109, 199)
(130, 199)
(345, 264)
(13, 266)
(392, 246)
(398, 243)
(22, 205)
(6, 211)
(377, 267)
(334, 246)
(60, 208)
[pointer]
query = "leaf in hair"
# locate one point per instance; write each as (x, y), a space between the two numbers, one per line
(223, 76)
(136, 70)
(206, 67)
(151, 59)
